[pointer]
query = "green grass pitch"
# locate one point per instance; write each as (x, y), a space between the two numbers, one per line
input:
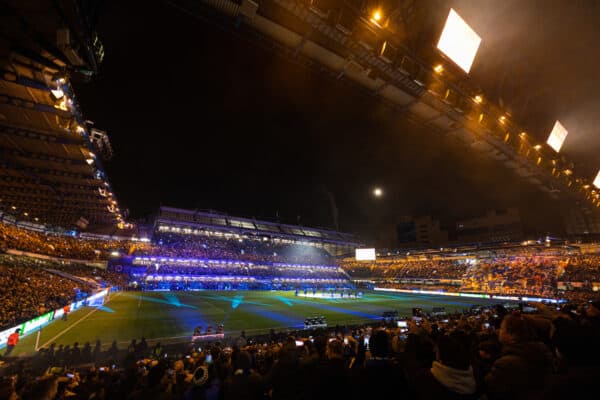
(172, 316)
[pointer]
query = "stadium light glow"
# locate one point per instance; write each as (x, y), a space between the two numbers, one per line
(57, 93)
(62, 105)
(377, 192)
(376, 16)
(557, 136)
(459, 41)
(597, 180)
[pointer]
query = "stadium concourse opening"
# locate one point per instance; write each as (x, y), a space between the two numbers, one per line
(97, 302)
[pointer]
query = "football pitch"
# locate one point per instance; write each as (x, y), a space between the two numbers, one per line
(172, 316)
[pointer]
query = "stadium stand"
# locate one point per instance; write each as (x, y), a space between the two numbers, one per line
(30, 287)
(520, 270)
(193, 250)
(62, 245)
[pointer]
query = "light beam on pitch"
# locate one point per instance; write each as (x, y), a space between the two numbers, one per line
(557, 136)
(459, 41)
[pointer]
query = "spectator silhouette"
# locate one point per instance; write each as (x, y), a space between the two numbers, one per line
(524, 365)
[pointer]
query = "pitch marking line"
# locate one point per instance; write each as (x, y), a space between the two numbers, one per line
(77, 322)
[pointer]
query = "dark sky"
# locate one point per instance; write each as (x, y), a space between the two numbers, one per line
(201, 118)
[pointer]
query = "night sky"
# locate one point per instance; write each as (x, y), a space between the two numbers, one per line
(201, 118)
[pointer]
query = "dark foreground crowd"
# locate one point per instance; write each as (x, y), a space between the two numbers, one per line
(493, 354)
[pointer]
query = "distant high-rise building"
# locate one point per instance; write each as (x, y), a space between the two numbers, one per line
(494, 226)
(420, 231)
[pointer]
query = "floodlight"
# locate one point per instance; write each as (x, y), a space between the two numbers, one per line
(459, 41)
(57, 94)
(557, 136)
(376, 17)
(597, 180)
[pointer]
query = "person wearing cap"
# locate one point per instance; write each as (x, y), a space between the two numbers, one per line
(12, 341)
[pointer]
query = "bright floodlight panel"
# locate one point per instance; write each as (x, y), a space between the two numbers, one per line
(365, 254)
(459, 41)
(557, 136)
(597, 180)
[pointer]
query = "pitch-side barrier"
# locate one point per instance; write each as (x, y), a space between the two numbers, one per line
(34, 324)
(473, 295)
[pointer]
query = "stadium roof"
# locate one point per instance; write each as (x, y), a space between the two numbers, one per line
(393, 59)
(50, 169)
(218, 221)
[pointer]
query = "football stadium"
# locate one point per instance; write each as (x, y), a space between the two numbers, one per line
(459, 259)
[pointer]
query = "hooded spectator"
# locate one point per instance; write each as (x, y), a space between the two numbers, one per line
(523, 368)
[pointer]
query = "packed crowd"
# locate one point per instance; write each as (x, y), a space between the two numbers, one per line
(243, 269)
(30, 287)
(237, 275)
(488, 353)
(514, 275)
(547, 274)
(406, 268)
(231, 248)
(62, 246)
(29, 291)
(585, 268)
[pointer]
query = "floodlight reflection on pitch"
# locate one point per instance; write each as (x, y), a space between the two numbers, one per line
(459, 41)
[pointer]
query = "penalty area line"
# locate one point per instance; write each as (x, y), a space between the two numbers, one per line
(76, 322)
